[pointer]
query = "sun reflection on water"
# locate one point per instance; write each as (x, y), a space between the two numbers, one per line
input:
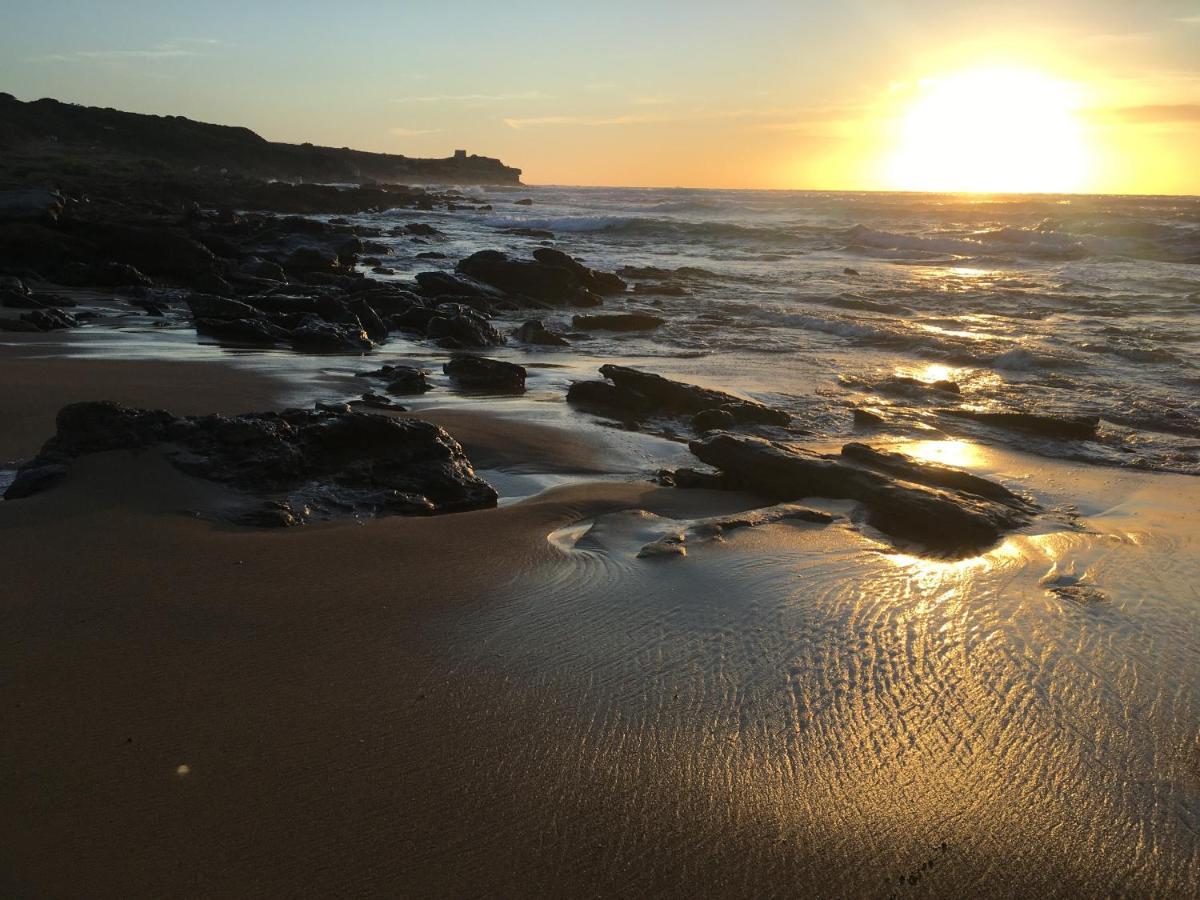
(958, 453)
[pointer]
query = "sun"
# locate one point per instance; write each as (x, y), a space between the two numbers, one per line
(992, 130)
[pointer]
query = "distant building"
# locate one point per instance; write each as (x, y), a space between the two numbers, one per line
(460, 154)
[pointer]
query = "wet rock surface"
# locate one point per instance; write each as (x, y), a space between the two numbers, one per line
(479, 373)
(401, 380)
(943, 521)
(933, 475)
(318, 463)
(636, 395)
(534, 331)
(561, 281)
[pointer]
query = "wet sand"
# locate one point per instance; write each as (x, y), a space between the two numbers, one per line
(461, 707)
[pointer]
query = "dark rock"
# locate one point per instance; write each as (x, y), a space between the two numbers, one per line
(849, 271)
(903, 386)
(431, 254)
(212, 283)
(263, 268)
(383, 270)
(372, 324)
(639, 394)
(209, 306)
(697, 479)
(618, 322)
(534, 331)
(14, 325)
(334, 463)
(864, 418)
(252, 330)
(438, 284)
(312, 259)
(157, 249)
(525, 202)
(600, 282)
(110, 275)
(388, 300)
(415, 318)
(378, 401)
(480, 373)
(283, 304)
(1081, 428)
(150, 307)
(713, 420)
(401, 379)
(456, 326)
(932, 474)
(274, 514)
(529, 278)
(318, 335)
(10, 284)
(50, 319)
(15, 300)
(945, 522)
(349, 250)
(479, 304)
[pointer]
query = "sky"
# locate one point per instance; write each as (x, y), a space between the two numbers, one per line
(1082, 95)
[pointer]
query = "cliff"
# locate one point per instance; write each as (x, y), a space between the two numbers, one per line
(43, 133)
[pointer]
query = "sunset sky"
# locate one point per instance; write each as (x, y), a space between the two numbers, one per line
(1102, 95)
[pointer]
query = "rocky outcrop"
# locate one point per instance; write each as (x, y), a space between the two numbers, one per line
(591, 279)
(401, 380)
(635, 395)
(302, 463)
(542, 282)
(950, 522)
(478, 373)
(174, 142)
(534, 331)
(933, 475)
(458, 327)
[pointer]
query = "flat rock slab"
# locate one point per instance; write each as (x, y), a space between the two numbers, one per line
(482, 374)
(637, 395)
(954, 523)
(298, 463)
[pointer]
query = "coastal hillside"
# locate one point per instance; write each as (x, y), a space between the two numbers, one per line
(43, 132)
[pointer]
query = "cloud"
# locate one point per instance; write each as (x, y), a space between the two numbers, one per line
(474, 98)
(412, 132)
(534, 121)
(185, 47)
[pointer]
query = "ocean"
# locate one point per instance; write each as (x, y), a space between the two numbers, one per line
(1067, 305)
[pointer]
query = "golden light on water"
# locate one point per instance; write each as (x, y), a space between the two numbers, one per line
(992, 130)
(935, 372)
(960, 454)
